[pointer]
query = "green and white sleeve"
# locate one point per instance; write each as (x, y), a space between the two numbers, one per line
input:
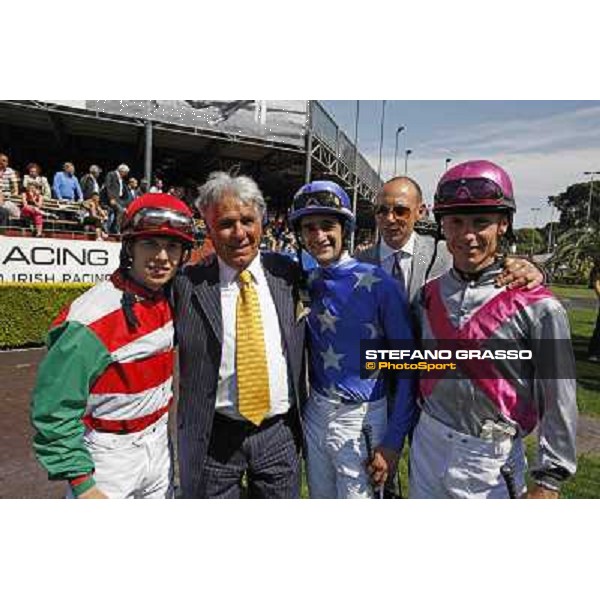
(76, 357)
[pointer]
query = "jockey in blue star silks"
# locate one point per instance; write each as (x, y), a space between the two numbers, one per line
(349, 301)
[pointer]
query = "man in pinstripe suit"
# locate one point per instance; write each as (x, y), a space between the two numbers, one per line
(218, 446)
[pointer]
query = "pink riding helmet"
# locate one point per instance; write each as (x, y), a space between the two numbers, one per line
(474, 185)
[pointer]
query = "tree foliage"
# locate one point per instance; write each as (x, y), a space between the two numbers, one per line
(528, 239)
(577, 238)
(573, 205)
(577, 251)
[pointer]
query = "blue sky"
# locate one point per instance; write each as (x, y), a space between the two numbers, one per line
(544, 145)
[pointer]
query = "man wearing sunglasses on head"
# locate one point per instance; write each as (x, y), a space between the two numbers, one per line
(101, 401)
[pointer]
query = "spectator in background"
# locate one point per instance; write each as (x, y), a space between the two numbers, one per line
(33, 201)
(594, 347)
(289, 247)
(178, 192)
(8, 210)
(144, 187)
(133, 189)
(89, 182)
(157, 186)
(94, 215)
(4, 213)
(33, 174)
(114, 196)
(9, 182)
(65, 185)
(363, 245)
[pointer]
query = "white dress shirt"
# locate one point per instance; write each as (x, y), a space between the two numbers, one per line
(227, 399)
(387, 257)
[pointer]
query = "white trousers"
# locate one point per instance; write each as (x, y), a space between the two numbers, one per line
(447, 464)
(336, 450)
(133, 465)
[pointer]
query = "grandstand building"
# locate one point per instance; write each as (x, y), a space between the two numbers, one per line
(279, 143)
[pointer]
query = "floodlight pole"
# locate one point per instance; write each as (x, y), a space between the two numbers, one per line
(589, 208)
(398, 132)
(355, 191)
(309, 141)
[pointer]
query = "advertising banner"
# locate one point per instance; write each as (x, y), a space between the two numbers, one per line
(45, 260)
(282, 121)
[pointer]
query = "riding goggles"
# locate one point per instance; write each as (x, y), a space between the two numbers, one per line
(155, 219)
(320, 199)
(478, 188)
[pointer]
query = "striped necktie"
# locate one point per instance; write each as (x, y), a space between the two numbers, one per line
(251, 358)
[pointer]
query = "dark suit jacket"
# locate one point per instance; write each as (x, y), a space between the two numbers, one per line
(199, 330)
(87, 186)
(110, 189)
(422, 255)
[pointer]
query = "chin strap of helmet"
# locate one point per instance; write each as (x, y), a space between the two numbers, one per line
(127, 302)
(299, 248)
(125, 259)
(346, 234)
(129, 299)
(438, 236)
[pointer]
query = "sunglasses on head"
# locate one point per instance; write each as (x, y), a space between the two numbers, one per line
(154, 218)
(469, 189)
(322, 199)
(383, 210)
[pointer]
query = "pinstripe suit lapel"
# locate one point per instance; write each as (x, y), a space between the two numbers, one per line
(209, 298)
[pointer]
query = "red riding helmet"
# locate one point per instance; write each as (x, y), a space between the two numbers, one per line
(159, 214)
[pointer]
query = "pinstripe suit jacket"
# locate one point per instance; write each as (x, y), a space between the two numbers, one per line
(199, 329)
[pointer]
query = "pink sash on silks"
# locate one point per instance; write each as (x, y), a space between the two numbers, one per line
(477, 330)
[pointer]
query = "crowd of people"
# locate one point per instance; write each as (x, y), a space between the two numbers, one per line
(270, 367)
(100, 202)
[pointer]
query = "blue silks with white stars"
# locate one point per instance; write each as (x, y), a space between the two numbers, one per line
(351, 300)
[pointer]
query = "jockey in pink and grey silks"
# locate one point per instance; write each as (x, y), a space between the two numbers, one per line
(473, 424)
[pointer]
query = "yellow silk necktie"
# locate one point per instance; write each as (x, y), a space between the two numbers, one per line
(251, 358)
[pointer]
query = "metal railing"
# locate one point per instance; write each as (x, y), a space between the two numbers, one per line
(327, 131)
